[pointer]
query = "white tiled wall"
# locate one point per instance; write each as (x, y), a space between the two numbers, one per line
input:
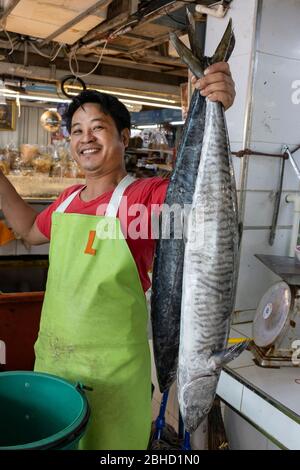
(279, 28)
(275, 118)
(275, 121)
(260, 207)
(243, 18)
(254, 277)
(263, 172)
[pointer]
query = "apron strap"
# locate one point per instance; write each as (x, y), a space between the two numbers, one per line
(114, 203)
(115, 200)
(63, 206)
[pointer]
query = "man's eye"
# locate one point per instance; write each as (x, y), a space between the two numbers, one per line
(97, 128)
(76, 131)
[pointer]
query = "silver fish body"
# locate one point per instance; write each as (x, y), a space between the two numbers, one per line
(209, 274)
(169, 254)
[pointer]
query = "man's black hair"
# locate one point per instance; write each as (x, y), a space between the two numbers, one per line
(109, 105)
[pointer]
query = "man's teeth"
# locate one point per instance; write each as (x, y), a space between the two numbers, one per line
(89, 151)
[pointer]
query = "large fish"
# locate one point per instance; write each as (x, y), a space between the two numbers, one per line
(169, 255)
(168, 260)
(210, 262)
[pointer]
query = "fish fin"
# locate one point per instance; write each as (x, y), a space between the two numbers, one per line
(225, 47)
(196, 65)
(219, 360)
(195, 46)
(234, 351)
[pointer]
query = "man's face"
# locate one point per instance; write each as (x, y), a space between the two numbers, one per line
(95, 141)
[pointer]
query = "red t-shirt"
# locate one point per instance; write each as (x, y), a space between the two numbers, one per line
(147, 192)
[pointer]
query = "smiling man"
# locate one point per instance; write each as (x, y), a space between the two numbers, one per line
(94, 320)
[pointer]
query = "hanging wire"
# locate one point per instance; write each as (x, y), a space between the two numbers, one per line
(36, 49)
(51, 56)
(73, 56)
(57, 52)
(11, 42)
(121, 29)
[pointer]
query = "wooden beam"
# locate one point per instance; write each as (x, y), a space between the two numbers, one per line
(158, 61)
(144, 45)
(137, 36)
(97, 6)
(102, 30)
(9, 9)
(125, 73)
(136, 63)
(124, 50)
(161, 60)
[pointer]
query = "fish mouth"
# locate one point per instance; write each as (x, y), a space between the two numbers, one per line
(197, 399)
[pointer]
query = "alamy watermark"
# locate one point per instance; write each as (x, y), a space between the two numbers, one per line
(296, 92)
(156, 221)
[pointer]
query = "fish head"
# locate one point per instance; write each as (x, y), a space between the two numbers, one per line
(197, 400)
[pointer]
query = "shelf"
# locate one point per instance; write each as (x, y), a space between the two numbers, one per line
(40, 188)
(145, 150)
(286, 267)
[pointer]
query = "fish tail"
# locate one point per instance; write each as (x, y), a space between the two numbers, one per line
(226, 45)
(194, 59)
(196, 65)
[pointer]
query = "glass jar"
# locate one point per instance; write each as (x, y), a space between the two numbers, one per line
(4, 163)
(58, 169)
(28, 152)
(43, 161)
(71, 169)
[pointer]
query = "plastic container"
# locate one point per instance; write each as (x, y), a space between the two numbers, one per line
(41, 412)
(42, 164)
(28, 153)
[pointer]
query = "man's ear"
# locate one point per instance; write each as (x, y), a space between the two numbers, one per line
(125, 134)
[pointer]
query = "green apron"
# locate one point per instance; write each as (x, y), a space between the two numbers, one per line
(94, 325)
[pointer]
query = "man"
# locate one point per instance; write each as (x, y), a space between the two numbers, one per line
(94, 320)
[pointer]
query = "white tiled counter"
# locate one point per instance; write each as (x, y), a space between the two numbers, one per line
(268, 399)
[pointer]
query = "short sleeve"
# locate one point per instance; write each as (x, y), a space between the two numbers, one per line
(159, 190)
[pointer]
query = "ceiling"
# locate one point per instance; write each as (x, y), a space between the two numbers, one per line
(118, 45)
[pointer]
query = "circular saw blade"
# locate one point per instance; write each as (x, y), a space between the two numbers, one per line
(271, 314)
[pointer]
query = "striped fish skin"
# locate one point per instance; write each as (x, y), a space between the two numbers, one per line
(209, 278)
(169, 255)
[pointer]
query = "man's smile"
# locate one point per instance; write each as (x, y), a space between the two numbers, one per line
(89, 151)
